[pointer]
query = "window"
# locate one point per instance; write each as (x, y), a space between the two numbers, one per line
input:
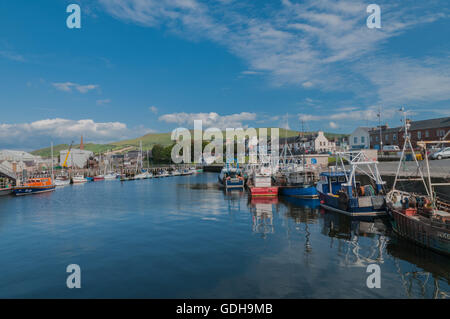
(355, 140)
(386, 137)
(440, 133)
(427, 134)
(362, 140)
(394, 137)
(376, 138)
(419, 134)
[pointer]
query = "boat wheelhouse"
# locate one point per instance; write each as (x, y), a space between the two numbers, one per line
(343, 191)
(300, 184)
(231, 178)
(260, 183)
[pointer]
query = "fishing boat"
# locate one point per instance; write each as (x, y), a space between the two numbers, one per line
(260, 184)
(99, 178)
(340, 190)
(164, 173)
(300, 184)
(61, 181)
(421, 218)
(231, 178)
(79, 179)
(110, 176)
(143, 175)
(6, 187)
(35, 186)
(6, 191)
(296, 179)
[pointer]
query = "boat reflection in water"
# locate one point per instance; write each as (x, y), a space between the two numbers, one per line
(359, 242)
(262, 214)
(424, 270)
(301, 213)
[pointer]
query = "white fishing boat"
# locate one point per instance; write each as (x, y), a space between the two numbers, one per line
(110, 176)
(176, 173)
(79, 179)
(143, 175)
(61, 181)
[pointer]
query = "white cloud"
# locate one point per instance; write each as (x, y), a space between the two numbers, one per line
(409, 80)
(40, 133)
(249, 72)
(311, 44)
(333, 124)
(10, 55)
(68, 86)
(209, 119)
(153, 109)
(352, 114)
(103, 102)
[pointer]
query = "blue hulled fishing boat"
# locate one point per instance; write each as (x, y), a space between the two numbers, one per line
(231, 178)
(300, 184)
(340, 191)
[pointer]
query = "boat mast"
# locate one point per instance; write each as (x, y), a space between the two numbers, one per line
(51, 147)
(379, 123)
(407, 143)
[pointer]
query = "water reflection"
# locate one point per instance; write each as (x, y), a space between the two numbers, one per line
(357, 243)
(262, 214)
(185, 237)
(424, 270)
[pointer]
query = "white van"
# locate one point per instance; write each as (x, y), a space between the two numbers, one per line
(391, 148)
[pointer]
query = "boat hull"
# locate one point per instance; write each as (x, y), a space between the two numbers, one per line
(354, 210)
(5, 191)
(421, 233)
(21, 191)
(264, 191)
(299, 191)
(62, 183)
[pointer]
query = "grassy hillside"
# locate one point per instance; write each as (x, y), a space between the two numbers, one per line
(96, 148)
(148, 141)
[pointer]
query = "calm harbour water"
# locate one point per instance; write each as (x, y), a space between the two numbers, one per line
(182, 237)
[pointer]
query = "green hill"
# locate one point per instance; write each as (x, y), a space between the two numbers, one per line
(148, 141)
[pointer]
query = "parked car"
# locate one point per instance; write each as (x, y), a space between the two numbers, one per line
(391, 148)
(443, 153)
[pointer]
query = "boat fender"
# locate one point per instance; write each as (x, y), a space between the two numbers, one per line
(362, 191)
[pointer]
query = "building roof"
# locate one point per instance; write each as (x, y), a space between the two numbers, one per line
(417, 125)
(17, 155)
(297, 139)
(431, 123)
(363, 128)
(76, 151)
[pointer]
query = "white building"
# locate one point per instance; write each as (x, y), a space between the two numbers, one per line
(17, 156)
(360, 139)
(78, 157)
(322, 144)
(312, 142)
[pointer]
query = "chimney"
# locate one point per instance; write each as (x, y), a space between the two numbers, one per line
(81, 143)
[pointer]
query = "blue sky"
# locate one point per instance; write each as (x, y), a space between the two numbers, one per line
(139, 66)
